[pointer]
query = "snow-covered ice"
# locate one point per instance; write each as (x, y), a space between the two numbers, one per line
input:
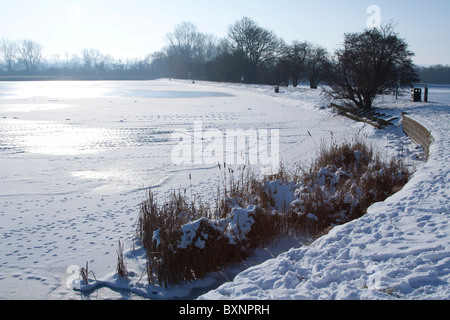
(77, 158)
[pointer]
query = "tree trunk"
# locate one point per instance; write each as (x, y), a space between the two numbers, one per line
(294, 81)
(367, 103)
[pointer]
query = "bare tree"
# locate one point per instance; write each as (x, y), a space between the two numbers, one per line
(258, 45)
(317, 65)
(158, 63)
(95, 61)
(293, 60)
(369, 64)
(9, 51)
(188, 49)
(182, 40)
(30, 55)
(91, 58)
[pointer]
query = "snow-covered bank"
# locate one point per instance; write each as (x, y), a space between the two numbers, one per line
(399, 250)
(76, 158)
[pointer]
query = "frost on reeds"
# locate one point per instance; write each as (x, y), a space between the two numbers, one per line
(185, 238)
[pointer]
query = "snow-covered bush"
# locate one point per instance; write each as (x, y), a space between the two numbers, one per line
(343, 182)
(183, 242)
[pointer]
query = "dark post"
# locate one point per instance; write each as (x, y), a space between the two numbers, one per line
(425, 95)
(416, 95)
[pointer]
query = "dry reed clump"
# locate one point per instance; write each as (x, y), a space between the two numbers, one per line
(185, 252)
(343, 182)
(84, 274)
(121, 268)
(185, 238)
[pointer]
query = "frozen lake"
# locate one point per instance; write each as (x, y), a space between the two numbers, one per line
(117, 135)
(77, 157)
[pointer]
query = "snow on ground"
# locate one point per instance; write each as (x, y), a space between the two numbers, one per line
(399, 250)
(77, 158)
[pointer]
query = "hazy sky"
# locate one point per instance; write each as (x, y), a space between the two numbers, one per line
(135, 28)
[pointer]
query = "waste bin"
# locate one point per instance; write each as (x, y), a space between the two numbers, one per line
(277, 89)
(416, 95)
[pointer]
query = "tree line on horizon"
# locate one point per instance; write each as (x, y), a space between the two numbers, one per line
(25, 58)
(372, 62)
(248, 52)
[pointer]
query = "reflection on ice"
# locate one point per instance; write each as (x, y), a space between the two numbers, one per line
(51, 138)
(53, 90)
(58, 139)
(121, 178)
(65, 139)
